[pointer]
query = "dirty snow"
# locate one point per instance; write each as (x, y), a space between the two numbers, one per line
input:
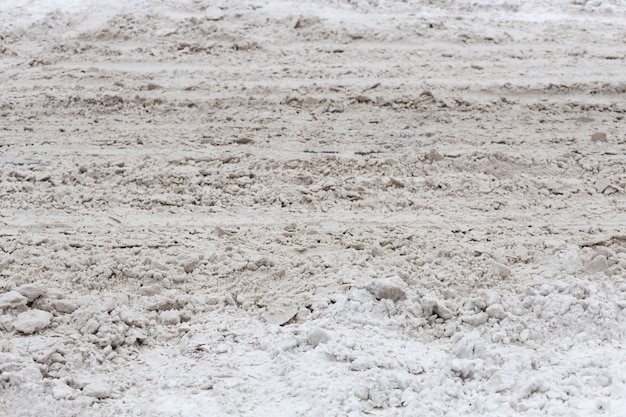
(312, 208)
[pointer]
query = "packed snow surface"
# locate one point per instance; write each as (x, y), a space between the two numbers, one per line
(320, 208)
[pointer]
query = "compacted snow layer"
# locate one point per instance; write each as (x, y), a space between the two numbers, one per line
(319, 208)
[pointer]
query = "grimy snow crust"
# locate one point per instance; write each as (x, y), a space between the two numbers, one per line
(321, 208)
